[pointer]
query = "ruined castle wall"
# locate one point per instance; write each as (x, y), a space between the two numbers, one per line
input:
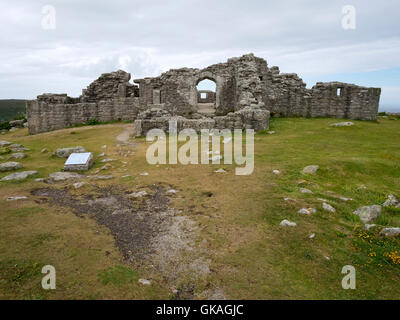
(342, 100)
(48, 115)
(243, 83)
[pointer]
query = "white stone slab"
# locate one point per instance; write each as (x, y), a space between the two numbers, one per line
(78, 158)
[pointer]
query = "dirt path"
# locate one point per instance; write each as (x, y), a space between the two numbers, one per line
(124, 137)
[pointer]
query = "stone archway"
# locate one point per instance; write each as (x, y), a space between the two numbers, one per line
(208, 105)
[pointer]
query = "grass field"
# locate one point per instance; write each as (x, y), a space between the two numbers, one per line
(237, 218)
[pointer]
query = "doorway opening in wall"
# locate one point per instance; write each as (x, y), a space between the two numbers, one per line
(206, 96)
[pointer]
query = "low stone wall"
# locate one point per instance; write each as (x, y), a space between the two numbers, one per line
(47, 115)
(246, 118)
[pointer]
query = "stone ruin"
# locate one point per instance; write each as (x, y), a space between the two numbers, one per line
(247, 93)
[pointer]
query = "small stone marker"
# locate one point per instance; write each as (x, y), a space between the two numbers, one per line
(79, 162)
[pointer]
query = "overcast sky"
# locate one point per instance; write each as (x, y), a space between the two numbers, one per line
(148, 37)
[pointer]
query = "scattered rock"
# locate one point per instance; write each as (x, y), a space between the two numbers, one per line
(312, 236)
(271, 132)
(289, 199)
(220, 171)
(44, 150)
(40, 180)
(311, 169)
(328, 207)
(276, 172)
(144, 174)
(392, 201)
(302, 182)
(18, 149)
(9, 166)
(368, 213)
(66, 152)
(370, 226)
(16, 198)
(390, 232)
(102, 155)
(307, 211)
(327, 258)
(104, 147)
(108, 160)
(98, 177)
(13, 129)
(304, 190)
(362, 187)
(17, 156)
(78, 185)
(173, 191)
(126, 176)
(139, 194)
(62, 176)
(342, 124)
(18, 175)
(4, 143)
(287, 223)
(144, 282)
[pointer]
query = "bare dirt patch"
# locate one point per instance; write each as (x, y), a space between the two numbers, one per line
(147, 230)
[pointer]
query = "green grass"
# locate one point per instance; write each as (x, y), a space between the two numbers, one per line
(118, 275)
(238, 217)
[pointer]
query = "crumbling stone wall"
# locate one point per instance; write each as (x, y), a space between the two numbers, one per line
(52, 112)
(243, 83)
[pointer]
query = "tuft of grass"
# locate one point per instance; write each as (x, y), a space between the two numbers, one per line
(118, 275)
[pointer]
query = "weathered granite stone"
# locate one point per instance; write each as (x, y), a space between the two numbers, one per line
(287, 223)
(18, 175)
(368, 213)
(66, 152)
(4, 143)
(311, 169)
(392, 201)
(390, 232)
(62, 176)
(328, 207)
(9, 166)
(342, 124)
(17, 156)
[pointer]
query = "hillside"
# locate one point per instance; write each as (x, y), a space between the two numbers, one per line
(11, 108)
(195, 233)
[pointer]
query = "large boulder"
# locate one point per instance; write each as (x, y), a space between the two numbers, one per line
(18, 175)
(368, 213)
(66, 152)
(9, 166)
